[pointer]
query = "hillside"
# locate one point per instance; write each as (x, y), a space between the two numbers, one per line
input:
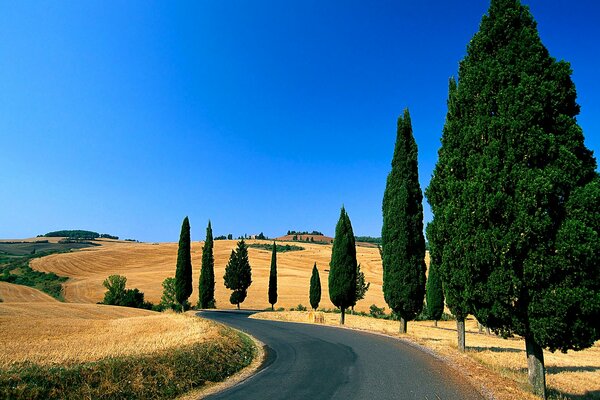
(147, 265)
(11, 293)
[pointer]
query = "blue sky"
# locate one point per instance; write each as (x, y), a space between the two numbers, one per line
(124, 116)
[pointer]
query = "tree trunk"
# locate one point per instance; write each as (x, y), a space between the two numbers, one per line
(435, 323)
(352, 310)
(460, 329)
(342, 316)
(272, 307)
(535, 366)
(480, 326)
(487, 331)
(402, 325)
(238, 304)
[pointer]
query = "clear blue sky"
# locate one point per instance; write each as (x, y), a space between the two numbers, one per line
(125, 116)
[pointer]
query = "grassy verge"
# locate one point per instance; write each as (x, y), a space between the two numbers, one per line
(163, 375)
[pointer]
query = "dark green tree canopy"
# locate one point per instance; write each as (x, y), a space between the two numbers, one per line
(402, 241)
(434, 292)
(207, 272)
(273, 277)
(183, 273)
(315, 288)
(515, 192)
(238, 273)
(362, 286)
(342, 268)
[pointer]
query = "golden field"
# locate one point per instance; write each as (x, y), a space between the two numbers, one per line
(10, 293)
(573, 375)
(61, 333)
(147, 265)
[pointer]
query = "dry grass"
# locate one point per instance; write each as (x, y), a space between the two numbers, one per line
(497, 364)
(147, 265)
(59, 333)
(11, 293)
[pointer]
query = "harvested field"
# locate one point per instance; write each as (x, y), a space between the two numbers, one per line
(147, 265)
(574, 375)
(59, 333)
(11, 293)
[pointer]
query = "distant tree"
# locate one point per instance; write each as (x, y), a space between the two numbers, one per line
(230, 237)
(342, 268)
(402, 238)
(361, 286)
(434, 292)
(295, 237)
(183, 273)
(206, 285)
(516, 193)
(273, 278)
(238, 274)
(315, 288)
(168, 299)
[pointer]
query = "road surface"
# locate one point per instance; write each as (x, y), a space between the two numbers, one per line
(307, 361)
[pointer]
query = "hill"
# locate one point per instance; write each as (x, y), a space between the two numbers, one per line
(147, 265)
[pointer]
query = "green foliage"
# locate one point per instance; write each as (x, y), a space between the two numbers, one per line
(273, 277)
(183, 273)
(315, 288)
(281, 248)
(515, 193)
(434, 291)
(74, 234)
(299, 307)
(238, 273)
(315, 233)
(164, 375)
(168, 299)
(16, 270)
(368, 239)
(206, 285)
(376, 312)
(402, 241)
(118, 295)
(342, 268)
(361, 285)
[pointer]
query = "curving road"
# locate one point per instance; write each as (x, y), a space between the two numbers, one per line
(306, 361)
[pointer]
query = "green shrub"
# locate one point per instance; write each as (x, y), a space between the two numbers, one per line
(376, 312)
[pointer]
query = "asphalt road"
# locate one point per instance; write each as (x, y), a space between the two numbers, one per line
(306, 361)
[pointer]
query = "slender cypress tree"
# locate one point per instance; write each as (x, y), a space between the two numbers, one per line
(342, 268)
(402, 238)
(273, 278)
(315, 288)
(183, 273)
(433, 289)
(518, 192)
(206, 285)
(238, 274)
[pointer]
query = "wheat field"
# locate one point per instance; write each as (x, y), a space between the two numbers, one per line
(147, 265)
(11, 293)
(61, 333)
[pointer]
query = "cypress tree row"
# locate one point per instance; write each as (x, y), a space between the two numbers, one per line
(273, 278)
(315, 288)
(342, 268)
(183, 272)
(238, 274)
(433, 288)
(402, 241)
(516, 196)
(206, 285)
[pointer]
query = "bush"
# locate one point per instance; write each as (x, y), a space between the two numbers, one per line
(118, 295)
(376, 312)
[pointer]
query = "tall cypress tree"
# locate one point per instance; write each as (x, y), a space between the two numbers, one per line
(206, 285)
(402, 240)
(183, 273)
(342, 268)
(315, 288)
(273, 278)
(520, 198)
(433, 288)
(238, 274)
